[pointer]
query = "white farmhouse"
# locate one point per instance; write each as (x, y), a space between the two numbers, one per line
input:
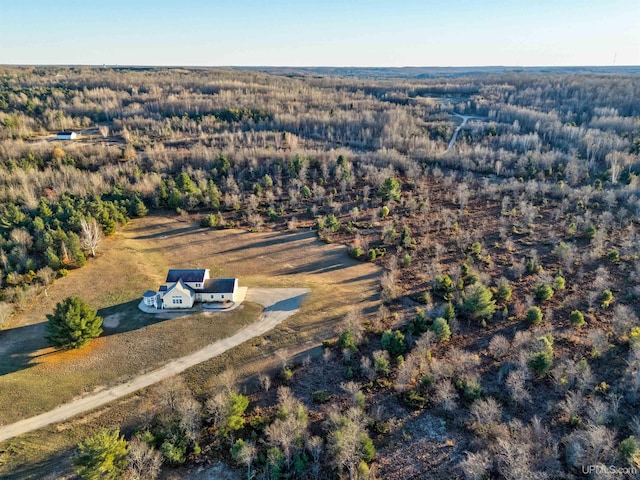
(66, 135)
(177, 295)
(183, 288)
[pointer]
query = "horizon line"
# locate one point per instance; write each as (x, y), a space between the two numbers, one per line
(134, 65)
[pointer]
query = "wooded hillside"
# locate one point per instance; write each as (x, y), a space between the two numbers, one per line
(512, 261)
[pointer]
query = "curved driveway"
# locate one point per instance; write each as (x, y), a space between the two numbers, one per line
(279, 303)
(457, 130)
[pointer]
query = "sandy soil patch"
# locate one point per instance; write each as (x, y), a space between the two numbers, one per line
(112, 321)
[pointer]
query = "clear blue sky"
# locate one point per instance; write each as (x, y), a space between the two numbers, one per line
(322, 32)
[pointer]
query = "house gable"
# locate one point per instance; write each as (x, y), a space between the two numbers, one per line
(178, 296)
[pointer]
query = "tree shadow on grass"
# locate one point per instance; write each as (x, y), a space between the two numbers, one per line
(287, 305)
(127, 317)
(23, 347)
(48, 468)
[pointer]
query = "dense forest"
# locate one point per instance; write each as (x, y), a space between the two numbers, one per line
(508, 343)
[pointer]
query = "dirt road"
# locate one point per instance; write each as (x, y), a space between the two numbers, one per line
(279, 303)
(457, 130)
(464, 118)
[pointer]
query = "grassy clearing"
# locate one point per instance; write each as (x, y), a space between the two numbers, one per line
(136, 260)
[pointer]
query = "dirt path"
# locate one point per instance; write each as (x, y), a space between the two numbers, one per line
(457, 130)
(279, 303)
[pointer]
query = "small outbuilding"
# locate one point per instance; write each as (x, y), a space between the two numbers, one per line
(66, 135)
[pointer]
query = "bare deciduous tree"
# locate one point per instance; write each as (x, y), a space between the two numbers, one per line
(144, 461)
(265, 381)
(91, 235)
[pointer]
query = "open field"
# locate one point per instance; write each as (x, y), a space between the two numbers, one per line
(279, 303)
(136, 259)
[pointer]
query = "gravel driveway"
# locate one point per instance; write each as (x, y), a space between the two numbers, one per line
(279, 303)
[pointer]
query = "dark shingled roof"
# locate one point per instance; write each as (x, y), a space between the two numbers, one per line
(149, 293)
(65, 133)
(185, 275)
(218, 285)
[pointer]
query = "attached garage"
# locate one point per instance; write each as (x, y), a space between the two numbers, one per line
(218, 290)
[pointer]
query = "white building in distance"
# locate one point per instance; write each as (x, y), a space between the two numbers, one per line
(66, 135)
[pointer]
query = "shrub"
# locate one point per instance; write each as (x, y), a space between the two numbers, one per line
(441, 329)
(449, 313)
(356, 252)
(543, 292)
(384, 212)
(606, 298)
(464, 269)
(374, 253)
(540, 362)
(443, 287)
(320, 396)
(420, 322)
(589, 232)
(305, 192)
(347, 340)
(233, 418)
(390, 190)
(367, 449)
(629, 451)
(532, 266)
(634, 336)
(414, 399)
(577, 318)
(470, 279)
(471, 389)
(534, 316)
(406, 260)
(175, 453)
(614, 256)
(102, 456)
(393, 342)
(559, 283)
(211, 220)
(332, 223)
(381, 362)
(363, 470)
(479, 302)
(504, 291)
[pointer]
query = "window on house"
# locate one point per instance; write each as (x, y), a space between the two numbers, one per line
(176, 300)
(221, 296)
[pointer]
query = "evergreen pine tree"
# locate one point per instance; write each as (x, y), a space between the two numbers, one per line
(73, 324)
(479, 302)
(103, 456)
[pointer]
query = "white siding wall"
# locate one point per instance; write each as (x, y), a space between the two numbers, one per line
(213, 297)
(177, 299)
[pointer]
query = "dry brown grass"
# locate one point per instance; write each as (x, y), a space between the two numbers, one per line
(137, 259)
